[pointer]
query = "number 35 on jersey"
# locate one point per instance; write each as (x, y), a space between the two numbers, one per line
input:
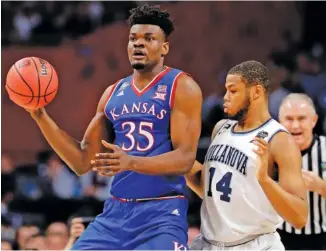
(141, 129)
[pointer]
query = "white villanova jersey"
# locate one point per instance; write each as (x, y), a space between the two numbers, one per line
(235, 207)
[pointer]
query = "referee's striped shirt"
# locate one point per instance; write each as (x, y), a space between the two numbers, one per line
(313, 159)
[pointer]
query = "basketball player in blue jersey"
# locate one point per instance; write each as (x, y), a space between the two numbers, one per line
(155, 115)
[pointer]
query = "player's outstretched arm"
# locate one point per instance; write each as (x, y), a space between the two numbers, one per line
(77, 155)
(289, 196)
(193, 182)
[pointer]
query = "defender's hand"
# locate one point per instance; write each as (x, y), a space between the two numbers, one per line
(313, 182)
(262, 151)
(109, 164)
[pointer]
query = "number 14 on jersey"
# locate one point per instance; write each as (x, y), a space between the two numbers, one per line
(223, 185)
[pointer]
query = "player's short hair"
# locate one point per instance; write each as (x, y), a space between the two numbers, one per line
(253, 72)
(299, 96)
(147, 14)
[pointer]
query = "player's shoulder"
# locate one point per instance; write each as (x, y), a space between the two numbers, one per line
(174, 70)
(281, 141)
(186, 90)
(273, 129)
(118, 82)
(108, 93)
(186, 83)
(284, 150)
(227, 123)
(110, 89)
(275, 124)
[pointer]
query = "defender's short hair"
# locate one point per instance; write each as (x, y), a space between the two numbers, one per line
(253, 72)
(147, 14)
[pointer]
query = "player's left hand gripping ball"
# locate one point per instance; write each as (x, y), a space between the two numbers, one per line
(109, 164)
(262, 150)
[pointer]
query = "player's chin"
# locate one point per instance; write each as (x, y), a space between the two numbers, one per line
(230, 115)
(138, 65)
(228, 112)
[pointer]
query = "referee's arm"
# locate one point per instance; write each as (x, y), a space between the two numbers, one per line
(314, 183)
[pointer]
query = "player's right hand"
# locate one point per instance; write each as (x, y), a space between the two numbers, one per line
(37, 113)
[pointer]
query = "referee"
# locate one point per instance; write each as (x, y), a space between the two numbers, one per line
(298, 115)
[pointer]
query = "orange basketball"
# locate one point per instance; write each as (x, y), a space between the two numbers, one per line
(32, 83)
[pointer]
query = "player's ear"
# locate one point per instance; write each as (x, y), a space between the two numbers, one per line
(257, 91)
(165, 48)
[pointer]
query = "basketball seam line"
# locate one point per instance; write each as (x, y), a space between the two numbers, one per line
(48, 85)
(48, 94)
(32, 97)
(39, 83)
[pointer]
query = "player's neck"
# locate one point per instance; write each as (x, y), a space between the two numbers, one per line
(253, 119)
(143, 77)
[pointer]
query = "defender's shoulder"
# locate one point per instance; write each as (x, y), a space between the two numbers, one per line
(282, 143)
(278, 125)
(275, 128)
(219, 126)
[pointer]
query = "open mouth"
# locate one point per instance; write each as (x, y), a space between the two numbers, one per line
(138, 54)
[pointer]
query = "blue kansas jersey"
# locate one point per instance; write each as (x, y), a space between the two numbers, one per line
(141, 122)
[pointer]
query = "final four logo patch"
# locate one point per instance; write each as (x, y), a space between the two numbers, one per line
(260, 134)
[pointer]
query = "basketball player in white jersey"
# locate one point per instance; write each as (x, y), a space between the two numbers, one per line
(242, 206)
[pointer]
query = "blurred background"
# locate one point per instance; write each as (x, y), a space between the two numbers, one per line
(86, 43)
